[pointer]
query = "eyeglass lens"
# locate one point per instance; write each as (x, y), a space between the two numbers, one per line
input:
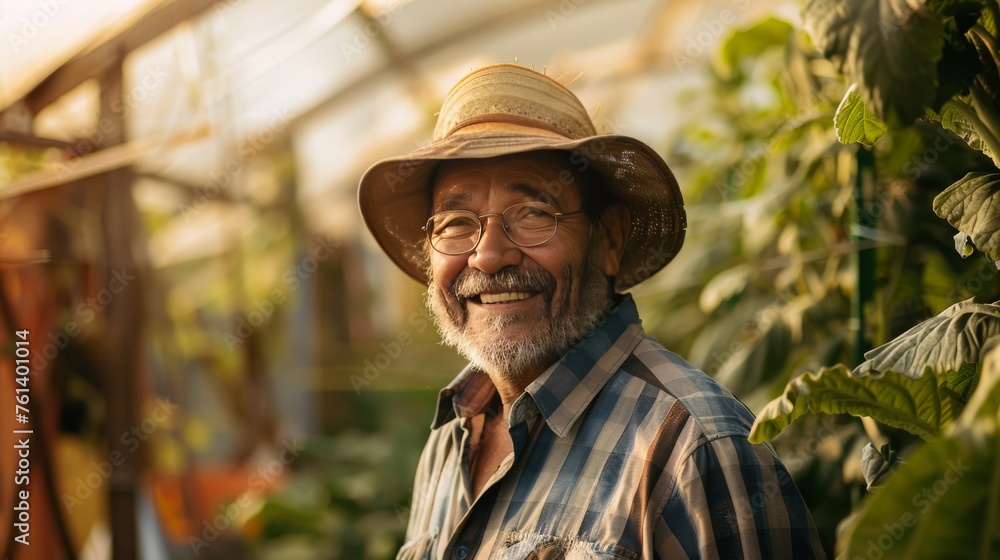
(527, 224)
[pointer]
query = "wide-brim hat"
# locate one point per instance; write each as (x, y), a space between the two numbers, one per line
(508, 109)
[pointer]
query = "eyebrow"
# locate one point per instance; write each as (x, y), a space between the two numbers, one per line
(456, 200)
(529, 191)
(453, 202)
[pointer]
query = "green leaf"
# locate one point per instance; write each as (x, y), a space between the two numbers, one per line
(922, 406)
(951, 118)
(985, 400)
(963, 381)
(946, 342)
(988, 21)
(889, 47)
(941, 504)
(855, 123)
(877, 464)
(944, 502)
(972, 206)
(751, 42)
(963, 246)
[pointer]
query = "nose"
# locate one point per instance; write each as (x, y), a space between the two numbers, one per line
(495, 249)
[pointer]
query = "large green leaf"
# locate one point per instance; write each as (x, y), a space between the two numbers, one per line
(944, 502)
(889, 47)
(922, 406)
(968, 205)
(855, 123)
(937, 505)
(944, 342)
(951, 118)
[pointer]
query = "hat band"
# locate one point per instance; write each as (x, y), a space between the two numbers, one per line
(506, 118)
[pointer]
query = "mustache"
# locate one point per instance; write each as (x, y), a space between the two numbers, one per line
(472, 282)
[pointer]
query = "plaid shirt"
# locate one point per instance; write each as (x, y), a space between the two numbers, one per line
(621, 450)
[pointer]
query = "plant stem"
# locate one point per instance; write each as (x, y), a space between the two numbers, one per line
(987, 111)
(989, 42)
(876, 436)
(984, 131)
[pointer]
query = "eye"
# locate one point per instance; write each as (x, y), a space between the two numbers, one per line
(457, 224)
(530, 215)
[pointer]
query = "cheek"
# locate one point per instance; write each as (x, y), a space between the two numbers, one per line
(565, 271)
(444, 269)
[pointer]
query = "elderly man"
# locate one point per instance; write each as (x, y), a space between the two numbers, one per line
(571, 434)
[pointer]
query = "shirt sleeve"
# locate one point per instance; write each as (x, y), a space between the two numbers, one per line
(733, 499)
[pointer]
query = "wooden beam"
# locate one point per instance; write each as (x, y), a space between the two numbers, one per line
(105, 55)
(101, 161)
(30, 140)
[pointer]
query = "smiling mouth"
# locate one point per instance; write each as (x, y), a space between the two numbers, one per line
(503, 297)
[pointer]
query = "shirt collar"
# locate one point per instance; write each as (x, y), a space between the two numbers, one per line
(467, 395)
(563, 391)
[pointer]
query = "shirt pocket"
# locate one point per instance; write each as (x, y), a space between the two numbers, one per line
(419, 547)
(536, 546)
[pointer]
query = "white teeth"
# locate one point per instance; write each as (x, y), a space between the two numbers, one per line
(504, 297)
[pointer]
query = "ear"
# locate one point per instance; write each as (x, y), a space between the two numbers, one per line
(613, 227)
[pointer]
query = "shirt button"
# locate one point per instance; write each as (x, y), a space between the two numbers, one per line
(462, 552)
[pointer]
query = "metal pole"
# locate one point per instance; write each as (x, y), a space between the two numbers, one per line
(864, 295)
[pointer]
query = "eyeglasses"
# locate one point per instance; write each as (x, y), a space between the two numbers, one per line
(526, 224)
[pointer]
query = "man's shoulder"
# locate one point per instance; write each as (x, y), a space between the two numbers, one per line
(714, 408)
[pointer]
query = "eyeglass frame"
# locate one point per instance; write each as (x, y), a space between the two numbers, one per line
(503, 226)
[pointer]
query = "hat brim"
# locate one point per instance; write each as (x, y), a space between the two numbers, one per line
(395, 194)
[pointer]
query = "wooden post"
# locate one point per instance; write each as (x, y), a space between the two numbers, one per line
(124, 314)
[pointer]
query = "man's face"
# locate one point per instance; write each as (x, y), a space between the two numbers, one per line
(514, 310)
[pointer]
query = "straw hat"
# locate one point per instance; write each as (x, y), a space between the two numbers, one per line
(506, 109)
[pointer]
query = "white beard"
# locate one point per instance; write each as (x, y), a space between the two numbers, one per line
(490, 347)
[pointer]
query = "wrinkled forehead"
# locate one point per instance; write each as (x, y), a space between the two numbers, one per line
(547, 176)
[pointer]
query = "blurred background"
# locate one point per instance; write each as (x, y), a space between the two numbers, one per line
(222, 362)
